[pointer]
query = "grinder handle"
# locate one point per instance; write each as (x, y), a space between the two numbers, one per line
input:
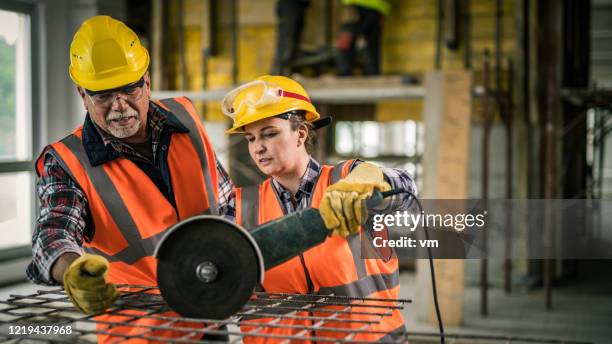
(291, 235)
(287, 237)
(376, 201)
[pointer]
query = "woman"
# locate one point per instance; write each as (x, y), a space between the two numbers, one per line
(275, 115)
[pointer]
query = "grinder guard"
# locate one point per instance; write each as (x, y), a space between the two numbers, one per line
(208, 267)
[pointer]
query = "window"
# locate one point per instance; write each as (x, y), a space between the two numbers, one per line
(16, 125)
(15, 112)
(393, 144)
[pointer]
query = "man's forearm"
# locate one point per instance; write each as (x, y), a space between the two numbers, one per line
(61, 264)
(62, 225)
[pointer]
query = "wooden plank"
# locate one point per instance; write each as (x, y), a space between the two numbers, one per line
(219, 77)
(195, 11)
(258, 51)
(329, 81)
(256, 13)
(399, 110)
(447, 115)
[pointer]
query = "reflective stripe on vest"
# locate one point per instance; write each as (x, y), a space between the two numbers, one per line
(339, 171)
(178, 109)
(249, 207)
(136, 246)
(129, 213)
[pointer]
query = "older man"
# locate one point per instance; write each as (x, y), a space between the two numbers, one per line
(114, 186)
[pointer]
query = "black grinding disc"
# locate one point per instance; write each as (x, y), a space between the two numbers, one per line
(217, 241)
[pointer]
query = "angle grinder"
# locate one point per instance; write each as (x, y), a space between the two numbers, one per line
(208, 267)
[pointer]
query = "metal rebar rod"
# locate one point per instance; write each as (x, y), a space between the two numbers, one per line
(509, 120)
(337, 303)
(486, 139)
(498, 47)
(138, 304)
(340, 297)
(467, 35)
(189, 332)
(318, 310)
(317, 325)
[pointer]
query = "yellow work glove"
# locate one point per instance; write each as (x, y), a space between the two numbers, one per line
(86, 286)
(343, 205)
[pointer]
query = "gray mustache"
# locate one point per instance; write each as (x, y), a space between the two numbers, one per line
(116, 116)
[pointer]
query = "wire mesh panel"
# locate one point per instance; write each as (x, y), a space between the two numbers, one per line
(141, 314)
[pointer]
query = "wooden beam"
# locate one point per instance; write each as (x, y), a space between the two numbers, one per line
(447, 116)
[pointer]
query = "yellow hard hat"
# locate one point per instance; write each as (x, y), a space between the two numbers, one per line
(266, 96)
(106, 54)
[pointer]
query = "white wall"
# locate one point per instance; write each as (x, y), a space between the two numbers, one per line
(64, 108)
(61, 108)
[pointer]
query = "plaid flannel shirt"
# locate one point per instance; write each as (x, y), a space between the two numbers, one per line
(397, 178)
(64, 221)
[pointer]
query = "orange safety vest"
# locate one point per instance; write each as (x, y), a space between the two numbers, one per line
(130, 214)
(333, 267)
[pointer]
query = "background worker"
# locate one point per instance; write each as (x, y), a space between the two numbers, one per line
(367, 18)
(277, 118)
(131, 170)
(290, 16)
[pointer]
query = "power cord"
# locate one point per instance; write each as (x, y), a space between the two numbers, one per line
(431, 265)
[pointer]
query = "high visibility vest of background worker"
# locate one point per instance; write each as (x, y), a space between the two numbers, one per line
(277, 118)
(112, 187)
(368, 23)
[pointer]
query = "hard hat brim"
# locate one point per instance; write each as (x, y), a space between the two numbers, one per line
(321, 122)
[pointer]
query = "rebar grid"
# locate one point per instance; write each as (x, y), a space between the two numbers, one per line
(144, 312)
(320, 318)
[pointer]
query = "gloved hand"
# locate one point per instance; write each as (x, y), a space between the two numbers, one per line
(85, 284)
(342, 206)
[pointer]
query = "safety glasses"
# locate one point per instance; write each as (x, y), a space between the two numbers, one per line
(132, 92)
(254, 95)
